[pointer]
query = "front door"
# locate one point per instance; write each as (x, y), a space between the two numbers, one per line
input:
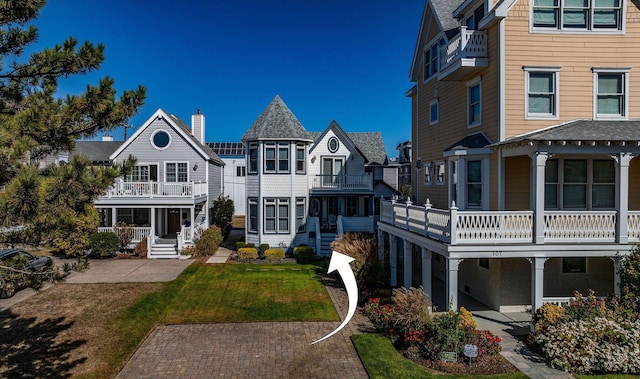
(173, 221)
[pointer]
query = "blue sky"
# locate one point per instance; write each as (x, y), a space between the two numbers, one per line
(328, 59)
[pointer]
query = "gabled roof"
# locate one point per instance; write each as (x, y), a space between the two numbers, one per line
(472, 141)
(180, 127)
(97, 151)
(443, 13)
(579, 131)
(277, 122)
(368, 144)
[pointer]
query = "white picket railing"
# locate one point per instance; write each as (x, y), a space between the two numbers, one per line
(468, 44)
(156, 189)
(506, 227)
(138, 233)
(340, 182)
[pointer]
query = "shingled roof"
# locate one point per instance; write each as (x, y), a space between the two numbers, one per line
(581, 131)
(97, 151)
(444, 11)
(277, 122)
(185, 128)
(369, 144)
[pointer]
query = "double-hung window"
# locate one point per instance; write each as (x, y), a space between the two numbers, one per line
(541, 100)
(300, 216)
(276, 215)
(474, 183)
(440, 173)
(177, 172)
(610, 93)
(474, 98)
(276, 157)
(253, 215)
(300, 159)
(283, 157)
(253, 157)
(427, 174)
(434, 112)
(139, 174)
(431, 59)
(577, 15)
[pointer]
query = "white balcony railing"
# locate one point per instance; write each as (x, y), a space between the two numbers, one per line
(341, 182)
(138, 233)
(468, 44)
(156, 189)
(508, 227)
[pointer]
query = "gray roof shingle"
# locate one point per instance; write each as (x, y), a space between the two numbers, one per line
(444, 10)
(472, 141)
(582, 130)
(97, 151)
(210, 153)
(370, 145)
(277, 122)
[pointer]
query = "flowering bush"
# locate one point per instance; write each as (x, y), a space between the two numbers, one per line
(594, 346)
(416, 329)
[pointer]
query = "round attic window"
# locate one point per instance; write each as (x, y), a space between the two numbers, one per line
(160, 139)
(333, 144)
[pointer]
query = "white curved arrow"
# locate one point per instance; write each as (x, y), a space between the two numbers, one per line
(341, 262)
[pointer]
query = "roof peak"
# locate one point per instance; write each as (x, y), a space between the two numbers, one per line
(277, 122)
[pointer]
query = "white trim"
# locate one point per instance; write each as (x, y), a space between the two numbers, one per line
(436, 172)
(428, 168)
(160, 114)
(589, 29)
(428, 47)
(176, 162)
(470, 84)
(153, 142)
(556, 93)
(624, 71)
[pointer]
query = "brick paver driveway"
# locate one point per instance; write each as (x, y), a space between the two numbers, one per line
(251, 350)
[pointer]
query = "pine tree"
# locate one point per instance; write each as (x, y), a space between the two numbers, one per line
(36, 121)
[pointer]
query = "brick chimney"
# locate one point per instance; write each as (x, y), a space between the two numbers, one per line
(197, 126)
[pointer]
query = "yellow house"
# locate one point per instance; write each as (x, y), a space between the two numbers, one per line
(525, 126)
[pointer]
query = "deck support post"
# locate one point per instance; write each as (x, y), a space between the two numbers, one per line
(408, 260)
(393, 260)
(426, 271)
(452, 282)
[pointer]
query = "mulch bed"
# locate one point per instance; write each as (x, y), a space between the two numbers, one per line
(490, 365)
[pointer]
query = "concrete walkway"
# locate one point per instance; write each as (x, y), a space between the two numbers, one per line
(130, 270)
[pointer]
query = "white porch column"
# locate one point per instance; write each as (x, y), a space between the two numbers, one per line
(539, 161)
(393, 260)
(153, 221)
(380, 246)
(616, 276)
(426, 271)
(622, 197)
(113, 217)
(452, 282)
(408, 263)
(193, 221)
(537, 282)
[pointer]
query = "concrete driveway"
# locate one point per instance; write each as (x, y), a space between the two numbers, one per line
(113, 271)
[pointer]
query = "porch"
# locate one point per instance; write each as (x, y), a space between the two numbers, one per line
(455, 227)
(464, 54)
(156, 189)
(341, 182)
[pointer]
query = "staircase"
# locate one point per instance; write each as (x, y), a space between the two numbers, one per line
(325, 242)
(164, 249)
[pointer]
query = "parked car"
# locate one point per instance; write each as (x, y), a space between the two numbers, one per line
(21, 259)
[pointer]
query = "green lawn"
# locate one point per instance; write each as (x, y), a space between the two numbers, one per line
(382, 360)
(225, 293)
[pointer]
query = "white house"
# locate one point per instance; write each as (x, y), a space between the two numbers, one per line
(168, 195)
(235, 173)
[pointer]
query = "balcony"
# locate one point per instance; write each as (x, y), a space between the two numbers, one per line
(464, 54)
(333, 183)
(510, 227)
(149, 190)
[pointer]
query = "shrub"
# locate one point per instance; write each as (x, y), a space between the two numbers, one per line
(548, 314)
(240, 245)
(417, 309)
(364, 249)
(104, 244)
(303, 253)
(487, 342)
(596, 345)
(264, 247)
(247, 253)
(125, 233)
(630, 271)
(272, 254)
(222, 214)
(141, 248)
(585, 308)
(466, 319)
(208, 242)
